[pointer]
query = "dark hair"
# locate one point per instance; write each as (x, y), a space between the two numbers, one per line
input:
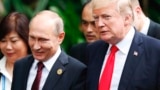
(83, 6)
(17, 22)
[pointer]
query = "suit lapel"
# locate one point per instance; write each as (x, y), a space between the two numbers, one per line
(95, 68)
(56, 72)
(100, 57)
(132, 61)
(151, 29)
(28, 65)
(154, 29)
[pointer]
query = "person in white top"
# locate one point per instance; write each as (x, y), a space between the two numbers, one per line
(13, 44)
(143, 23)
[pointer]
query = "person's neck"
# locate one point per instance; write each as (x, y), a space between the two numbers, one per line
(142, 22)
(9, 67)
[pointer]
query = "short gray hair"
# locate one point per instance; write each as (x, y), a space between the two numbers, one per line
(59, 26)
(56, 20)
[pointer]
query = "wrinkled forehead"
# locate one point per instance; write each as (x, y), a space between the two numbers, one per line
(96, 4)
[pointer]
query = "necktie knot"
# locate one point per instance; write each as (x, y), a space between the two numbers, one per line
(40, 66)
(114, 48)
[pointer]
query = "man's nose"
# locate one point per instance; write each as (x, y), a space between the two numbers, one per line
(36, 45)
(100, 22)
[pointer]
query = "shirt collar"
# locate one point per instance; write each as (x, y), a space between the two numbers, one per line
(50, 62)
(125, 44)
(2, 63)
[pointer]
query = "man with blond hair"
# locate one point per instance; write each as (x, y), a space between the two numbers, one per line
(124, 59)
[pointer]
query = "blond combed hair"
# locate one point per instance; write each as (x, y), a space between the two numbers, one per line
(123, 6)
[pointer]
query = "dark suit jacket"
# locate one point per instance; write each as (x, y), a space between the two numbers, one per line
(154, 30)
(141, 72)
(72, 78)
(78, 51)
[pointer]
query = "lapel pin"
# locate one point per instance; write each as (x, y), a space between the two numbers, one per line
(59, 71)
(135, 53)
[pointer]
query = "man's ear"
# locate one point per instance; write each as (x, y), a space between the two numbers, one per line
(128, 19)
(138, 10)
(61, 37)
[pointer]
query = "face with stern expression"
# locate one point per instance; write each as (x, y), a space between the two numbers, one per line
(113, 22)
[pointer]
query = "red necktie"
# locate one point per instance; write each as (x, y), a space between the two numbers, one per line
(36, 82)
(106, 77)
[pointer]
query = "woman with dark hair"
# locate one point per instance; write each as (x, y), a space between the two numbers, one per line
(14, 29)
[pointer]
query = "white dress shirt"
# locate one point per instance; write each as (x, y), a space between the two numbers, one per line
(5, 79)
(47, 68)
(120, 58)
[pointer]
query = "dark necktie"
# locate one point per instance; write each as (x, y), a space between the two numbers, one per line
(106, 77)
(36, 82)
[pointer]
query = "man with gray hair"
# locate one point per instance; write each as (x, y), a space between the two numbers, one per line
(48, 68)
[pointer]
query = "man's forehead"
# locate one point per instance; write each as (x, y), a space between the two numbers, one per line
(45, 16)
(40, 32)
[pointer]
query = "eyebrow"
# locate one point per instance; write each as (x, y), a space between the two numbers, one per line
(87, 21)
(15, 36)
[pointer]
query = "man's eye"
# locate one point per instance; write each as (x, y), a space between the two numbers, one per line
(3, 40)
(95, 18)
(31, 38)
(107, 17)
(84, 22)
(44, 40)
(93, 23)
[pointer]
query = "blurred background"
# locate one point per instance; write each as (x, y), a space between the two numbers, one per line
(70, 11)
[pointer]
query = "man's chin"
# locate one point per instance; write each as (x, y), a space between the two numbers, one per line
(40, 58)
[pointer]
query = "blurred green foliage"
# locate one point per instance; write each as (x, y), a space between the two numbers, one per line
(154, 10)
